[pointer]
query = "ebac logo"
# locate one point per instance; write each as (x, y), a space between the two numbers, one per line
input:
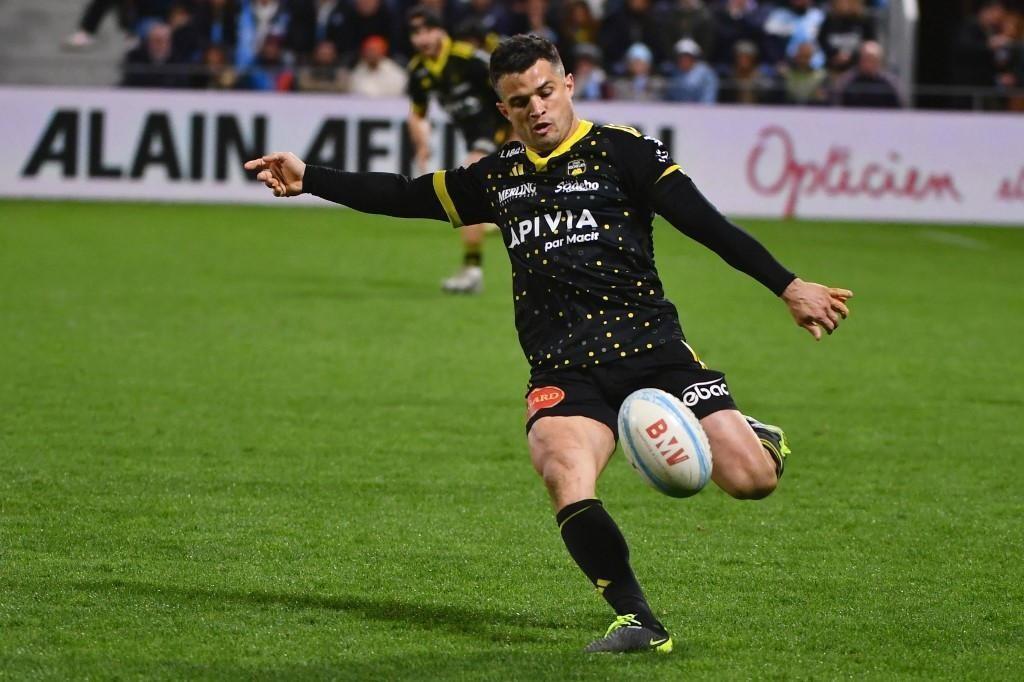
(543, 398)
(705, 390)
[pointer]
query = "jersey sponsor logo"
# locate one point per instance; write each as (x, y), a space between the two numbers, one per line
(567, 186)
(551, 224)
(510, 151)
(542, 399)
(524, 191)
(705, 390)
(517, 170)
(576, 167)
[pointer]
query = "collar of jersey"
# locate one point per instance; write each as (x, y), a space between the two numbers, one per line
(541, 162)
(436, 66)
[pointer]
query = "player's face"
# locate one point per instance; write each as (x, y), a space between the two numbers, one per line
(426, 39)
(538, 104)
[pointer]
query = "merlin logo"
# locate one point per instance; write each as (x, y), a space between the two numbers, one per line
(577, 167)
(567, 186)
(524, 191)
(705, 390)
(517, 170)
(514, 149)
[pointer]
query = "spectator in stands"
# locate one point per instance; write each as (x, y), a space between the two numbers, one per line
(491, 15)
(868, 85)
(185, 39)
(846, 27)
(93, 15)
(693, 81)
(787, 27)
(977, 44)
(749, 82)
(260, 22)
(591, 79)
(220, 74)
(535, 17)
(578, 26)
(633, 23)
(687, 19)
(376, 74)
(313, 22)
(735, 21)
(270, 71)
(216, 22)
(804, 83)
(366, 18)
(153, 64)
(324, 73)
(639, 84)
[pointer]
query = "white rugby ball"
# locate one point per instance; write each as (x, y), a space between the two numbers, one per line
(664, 442)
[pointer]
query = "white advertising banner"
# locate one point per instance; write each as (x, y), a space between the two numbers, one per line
(751, 161)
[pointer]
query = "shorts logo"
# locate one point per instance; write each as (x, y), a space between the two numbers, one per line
(705, 390)
(524, 191)
(543, 398)
(576, 167)
(566, 186)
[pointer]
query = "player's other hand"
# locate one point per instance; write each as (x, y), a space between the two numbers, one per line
(816, 307)
(281, 171)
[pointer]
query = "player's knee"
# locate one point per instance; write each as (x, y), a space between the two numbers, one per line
(753, 483)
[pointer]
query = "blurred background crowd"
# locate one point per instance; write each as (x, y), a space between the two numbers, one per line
(805, 52)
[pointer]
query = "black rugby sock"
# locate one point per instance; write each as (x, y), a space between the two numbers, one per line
(597, 546)
(473, 257)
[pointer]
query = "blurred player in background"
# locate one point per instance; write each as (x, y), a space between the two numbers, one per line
(456, 74)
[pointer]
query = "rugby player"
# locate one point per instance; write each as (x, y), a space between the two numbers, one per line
(456, 74)
(574, 202)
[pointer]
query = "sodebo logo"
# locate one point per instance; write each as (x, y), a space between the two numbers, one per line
(705, 390)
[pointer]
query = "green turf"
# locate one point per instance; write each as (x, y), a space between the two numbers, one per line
(259, 443)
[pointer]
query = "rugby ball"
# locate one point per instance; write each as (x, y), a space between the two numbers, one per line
(664, 442)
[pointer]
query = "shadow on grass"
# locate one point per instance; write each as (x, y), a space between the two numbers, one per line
(479, 623)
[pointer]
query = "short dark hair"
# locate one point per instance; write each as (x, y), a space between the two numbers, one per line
(518, 53)
(428, 17)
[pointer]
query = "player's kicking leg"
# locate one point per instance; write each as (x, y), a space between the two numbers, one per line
(469, 279)
(569, 453)
(749, 457)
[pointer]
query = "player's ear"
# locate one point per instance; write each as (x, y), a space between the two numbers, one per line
(502, 109)
(570, 84)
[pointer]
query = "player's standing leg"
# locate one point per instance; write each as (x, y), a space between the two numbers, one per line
(570, 453)
(469, 279)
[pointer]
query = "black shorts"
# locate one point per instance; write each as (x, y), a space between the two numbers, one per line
(597, 392)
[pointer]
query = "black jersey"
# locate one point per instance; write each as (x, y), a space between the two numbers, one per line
(460, 80)
(577, 224)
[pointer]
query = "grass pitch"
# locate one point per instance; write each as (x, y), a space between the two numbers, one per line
(259, 443)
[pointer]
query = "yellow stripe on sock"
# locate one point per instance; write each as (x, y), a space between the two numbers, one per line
(574, 515)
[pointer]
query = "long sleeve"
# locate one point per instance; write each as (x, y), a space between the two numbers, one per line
(677, 199)
(381, 193)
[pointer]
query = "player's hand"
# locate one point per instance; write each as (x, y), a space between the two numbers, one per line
(816, 307)
(281, 171)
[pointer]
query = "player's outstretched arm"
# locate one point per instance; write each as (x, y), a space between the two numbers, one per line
(286, 175)
(813, 306)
